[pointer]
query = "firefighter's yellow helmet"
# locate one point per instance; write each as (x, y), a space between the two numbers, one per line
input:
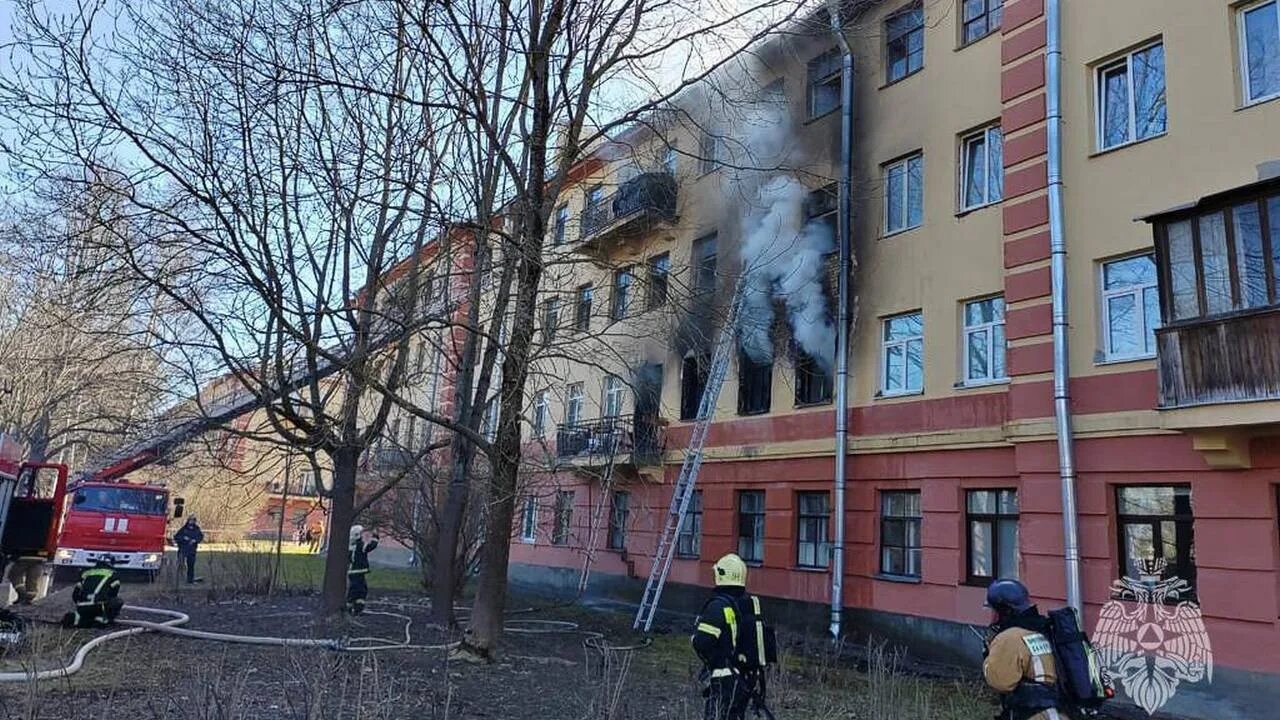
(730, 570)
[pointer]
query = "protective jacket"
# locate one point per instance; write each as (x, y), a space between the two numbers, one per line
(97, 600)
(360, 556)
(188, 537)
(1020, 666)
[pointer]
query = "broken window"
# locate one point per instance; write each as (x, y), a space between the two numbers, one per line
(755, 385)
(659, 269)
(693, 381)
(813, 381)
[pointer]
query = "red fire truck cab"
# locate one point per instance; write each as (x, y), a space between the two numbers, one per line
(123, 523)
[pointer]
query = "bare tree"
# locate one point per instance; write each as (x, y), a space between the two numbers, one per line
(270, 193)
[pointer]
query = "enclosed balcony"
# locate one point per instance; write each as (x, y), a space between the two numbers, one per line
(629, 445)
(636, 207)
(1218, 351)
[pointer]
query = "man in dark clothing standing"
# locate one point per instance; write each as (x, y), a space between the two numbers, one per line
(363, 542)
(188, 538)
(96, 597)
(729, 639)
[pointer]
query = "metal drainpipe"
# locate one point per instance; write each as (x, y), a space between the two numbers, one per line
(845, 226)
(1058, 270)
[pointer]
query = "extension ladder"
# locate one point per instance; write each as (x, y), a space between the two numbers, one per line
(682, 494)
(593, 529)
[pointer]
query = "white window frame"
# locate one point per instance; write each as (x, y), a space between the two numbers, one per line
(886, 170)
(529, 520)
(710, 148)
(614, 397)
(541, 411)
(1100, 94)
(989, 328)
(885, 345)
(1106, 296)
(1241, 28)
(813, 82)
(573, 405)
(984, 136)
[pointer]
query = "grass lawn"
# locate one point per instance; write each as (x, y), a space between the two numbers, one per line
(251, 566)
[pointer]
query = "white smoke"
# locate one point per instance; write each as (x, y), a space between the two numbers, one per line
(782, 250)
(783, 258)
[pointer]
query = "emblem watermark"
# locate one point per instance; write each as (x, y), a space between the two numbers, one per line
(1151, 638)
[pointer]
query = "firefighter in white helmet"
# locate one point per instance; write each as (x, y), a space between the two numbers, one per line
(734, 644)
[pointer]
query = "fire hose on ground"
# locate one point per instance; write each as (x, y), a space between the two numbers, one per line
(176, 619)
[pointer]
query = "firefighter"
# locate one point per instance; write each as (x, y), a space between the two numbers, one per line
(363, 542)
(729, 639)
(96, 596)
(1019, 662)
(188, 539)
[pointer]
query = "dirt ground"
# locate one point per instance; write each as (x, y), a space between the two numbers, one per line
(546, 671)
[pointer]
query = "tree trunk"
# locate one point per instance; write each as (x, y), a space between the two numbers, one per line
(444, 587)
(333, 591)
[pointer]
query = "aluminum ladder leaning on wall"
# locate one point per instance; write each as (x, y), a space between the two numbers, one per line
(682, 494)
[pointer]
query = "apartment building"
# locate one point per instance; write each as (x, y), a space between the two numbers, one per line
(1171, 185)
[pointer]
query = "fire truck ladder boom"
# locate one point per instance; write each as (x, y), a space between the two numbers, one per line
(682, 494)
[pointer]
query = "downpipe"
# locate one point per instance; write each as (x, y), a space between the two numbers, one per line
(845, 226)
(1058, 274)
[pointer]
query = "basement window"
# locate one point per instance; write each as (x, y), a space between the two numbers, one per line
(693, 381)
(755, 384)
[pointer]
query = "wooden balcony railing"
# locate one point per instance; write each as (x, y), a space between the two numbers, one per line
(1220, 360)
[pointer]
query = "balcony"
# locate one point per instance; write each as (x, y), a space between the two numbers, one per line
(591, 445)
(390, 459)
(1222, 360)
(1209, 364)
(636, 207)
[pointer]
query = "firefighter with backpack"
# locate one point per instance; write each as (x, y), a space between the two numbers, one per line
(1042, 667)
(734, 644)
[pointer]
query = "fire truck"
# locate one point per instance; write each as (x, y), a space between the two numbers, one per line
(32, 496)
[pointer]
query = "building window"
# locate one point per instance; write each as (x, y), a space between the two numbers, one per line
(704, 264)
(659, 277)
(593, 213)
(710, 148)
(1130, 308)
(813, 381)
(1224, 260)
(984, 344)
(563, 526)
(529, 519)
(904, 42)
(541, 408)
(619, 513)
(1156, 524)
(671, 160)
(562, 222)
(751, 525)
(900, 533)
(981, 18)
(755, 385)
(613, 395)
(902, 363)
(693, 381)
(813, 546)
(824, 83)
(1131, 98)
(622, 280)
(821, 206)
(573, 405)
(1260, 50)
(689, 541)
(582, 314)
(550, 319)
(992, 520)
(904, 194)
(982, 168)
